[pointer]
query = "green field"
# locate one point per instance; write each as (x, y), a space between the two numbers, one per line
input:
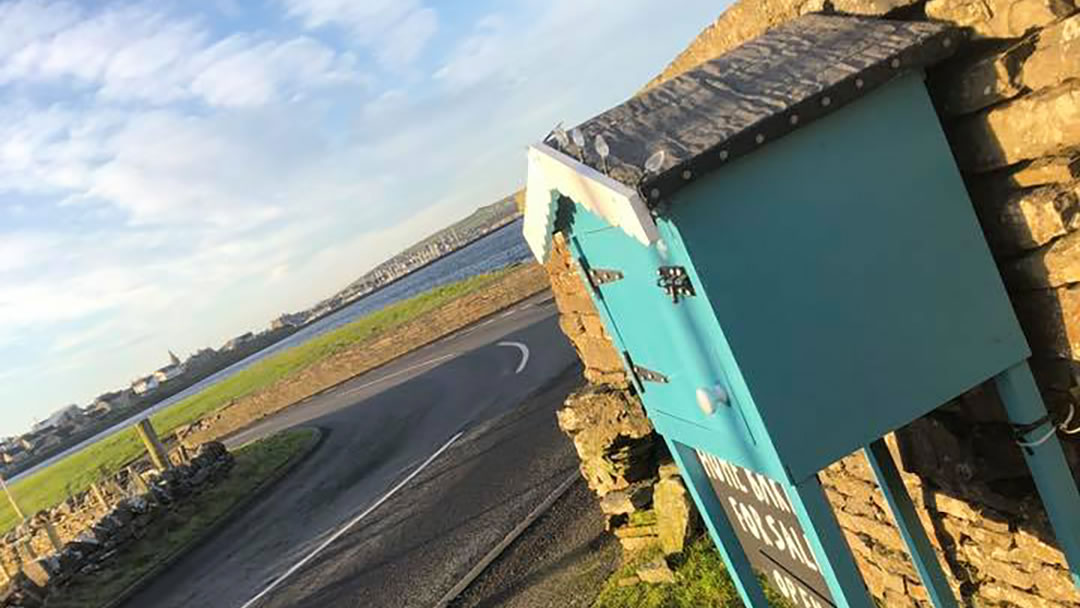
(76, 472)
(179, 529)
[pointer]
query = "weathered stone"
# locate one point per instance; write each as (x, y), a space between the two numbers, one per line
(637, 544)
(676, 517)
(1042, 172)
(1034, 126)
(628, 581)
(898, 599)
(884, 534)
(878, 580)
(627, 501)
(1015, 597)
(997, 569)
(999, 18)
(1055, 265)
(1056, 584)
(1056, 58)
(656, 572)
(1051, 321)
(1029, 219)
(983, 82)
(1033, 547)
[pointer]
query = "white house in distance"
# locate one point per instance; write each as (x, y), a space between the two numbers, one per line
(145, 385)
(148, 384)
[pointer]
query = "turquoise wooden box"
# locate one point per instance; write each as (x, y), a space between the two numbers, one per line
(783, 250)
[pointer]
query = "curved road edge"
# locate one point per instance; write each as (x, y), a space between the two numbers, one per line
(318, 437)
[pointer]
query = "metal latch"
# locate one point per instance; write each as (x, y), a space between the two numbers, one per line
(675, 282)
(599, 276)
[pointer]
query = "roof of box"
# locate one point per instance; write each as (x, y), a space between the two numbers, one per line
(751, 95)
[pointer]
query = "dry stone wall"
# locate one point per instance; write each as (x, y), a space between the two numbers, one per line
(84, 532)
(1010, 105)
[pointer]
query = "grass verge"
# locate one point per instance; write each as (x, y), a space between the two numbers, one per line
(75, 473)
(178, 530)
(700, 580)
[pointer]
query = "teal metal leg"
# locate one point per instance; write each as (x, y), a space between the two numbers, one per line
(716, 520)
(911, 528)
(1045, 458)
(833, 554)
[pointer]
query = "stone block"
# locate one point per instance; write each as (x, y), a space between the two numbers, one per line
(593, 326)
(1056, 584)
(639, 544)
(656, 572)
(1054, 265)
(1014, 597)
(1056, 57)
(1051, 321)
(1038, 125)
(1028, 219)
(982, 82)
(1030, 174)
(676, 517)
(999, 18)
(599, 353)
(624, 502)
(1032, 547)
(998, 569)
(884, 534)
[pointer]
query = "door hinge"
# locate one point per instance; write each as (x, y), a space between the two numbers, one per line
(599, 276)
(645, 374)
(675, 282)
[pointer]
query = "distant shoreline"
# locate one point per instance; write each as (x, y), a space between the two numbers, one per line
(346, 304)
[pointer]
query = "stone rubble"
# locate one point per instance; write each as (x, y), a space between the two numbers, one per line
(81, 535)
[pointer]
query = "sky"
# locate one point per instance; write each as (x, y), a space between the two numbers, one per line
(175, 173)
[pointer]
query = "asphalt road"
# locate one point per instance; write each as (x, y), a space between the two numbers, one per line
(428, 462)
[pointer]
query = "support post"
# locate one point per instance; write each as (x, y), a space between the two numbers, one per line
(54, 538)
(5, 576)
(716, 520)
(158, 456)
(830, 547)
(11, 498)
(1042, 450)
(911, 529)
(99, 494)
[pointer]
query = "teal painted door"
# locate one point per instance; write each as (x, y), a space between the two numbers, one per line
(660, 336)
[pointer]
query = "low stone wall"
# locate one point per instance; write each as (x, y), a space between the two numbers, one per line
(626, 464)
(1010, 105)
(518, 285)
(88, 529)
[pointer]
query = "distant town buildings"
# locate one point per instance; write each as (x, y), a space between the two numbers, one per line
(289, 319)
(71, 422)
(238, 341)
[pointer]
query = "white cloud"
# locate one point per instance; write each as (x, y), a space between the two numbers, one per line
(480, 56)
(396, 30)
(133, 53)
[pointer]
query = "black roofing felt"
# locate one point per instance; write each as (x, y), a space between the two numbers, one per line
(754, 94)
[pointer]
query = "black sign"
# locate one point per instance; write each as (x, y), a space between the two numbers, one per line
(769, 531)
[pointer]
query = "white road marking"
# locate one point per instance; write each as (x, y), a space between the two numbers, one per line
(507, 313)
(344, 529)
(357, 389)
(524, 354)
